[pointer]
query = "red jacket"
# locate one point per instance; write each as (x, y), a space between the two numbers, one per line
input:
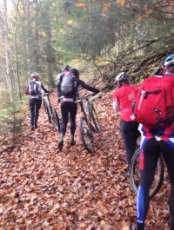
(125, 96)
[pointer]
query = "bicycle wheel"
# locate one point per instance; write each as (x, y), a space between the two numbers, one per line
(47, 110)
(135, 174)
(86, 135)
(91, 116)
(55, 119)
(94, 118)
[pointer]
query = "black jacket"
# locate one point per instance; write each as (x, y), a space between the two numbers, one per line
(79, 83)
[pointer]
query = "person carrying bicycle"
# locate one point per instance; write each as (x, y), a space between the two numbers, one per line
(123, 97)
(67, 89)
(34, 90)
(158, 138)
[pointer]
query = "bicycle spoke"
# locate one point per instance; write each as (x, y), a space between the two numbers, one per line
(55, 119)
(135, 175)
(86, 135)
(94, 119)
(47, 110)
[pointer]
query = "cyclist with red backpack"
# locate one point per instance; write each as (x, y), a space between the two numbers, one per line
(67, 89)
(34, 90)
(123, 97)
(154, 108)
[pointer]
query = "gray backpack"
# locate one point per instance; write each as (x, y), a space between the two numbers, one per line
(34, 88)
(68, 85)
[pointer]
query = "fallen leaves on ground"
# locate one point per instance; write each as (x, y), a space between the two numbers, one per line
(42, 188)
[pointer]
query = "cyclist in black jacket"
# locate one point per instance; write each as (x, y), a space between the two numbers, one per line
(67, 89)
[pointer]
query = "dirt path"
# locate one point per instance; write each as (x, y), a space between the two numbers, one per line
(41, 188)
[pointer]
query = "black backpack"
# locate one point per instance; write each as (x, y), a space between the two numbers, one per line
(34, 88)
(68, 85)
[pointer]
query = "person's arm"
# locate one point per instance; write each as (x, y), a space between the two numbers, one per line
(87, 87)
(58, 86)
(115, 103)
(44, 89)
(58, 78)
(27, 91)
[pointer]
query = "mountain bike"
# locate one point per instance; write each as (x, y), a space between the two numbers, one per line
(51, 112)
(89, 123)
(135, 174)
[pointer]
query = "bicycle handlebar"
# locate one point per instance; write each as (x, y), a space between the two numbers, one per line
(46, 93)
(92, 96)
(97, 95)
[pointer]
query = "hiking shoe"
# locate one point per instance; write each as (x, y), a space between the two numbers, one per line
(171, 224)
(137, 226)
(140, 226)
(60, 145)
(32, 128)
(133, 227)
(72, 142)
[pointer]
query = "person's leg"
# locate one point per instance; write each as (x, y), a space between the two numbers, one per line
(38, 106)
(129, 131)
(167, 149)
(151, 153)
(73, 112)
(64, 112)
(32, 106)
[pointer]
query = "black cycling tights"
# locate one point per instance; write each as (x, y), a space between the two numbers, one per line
(34, 104)
(130, 133)
(151, 151)
(68, 109)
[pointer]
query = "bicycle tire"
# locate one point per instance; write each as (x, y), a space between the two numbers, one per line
(86, 135)
(94, 118)
(55, 119)
(135, 177)
(88, 113)
(47, 111)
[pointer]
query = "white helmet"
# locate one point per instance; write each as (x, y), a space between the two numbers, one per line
(34, 74)
(121, 77)
(169, 60)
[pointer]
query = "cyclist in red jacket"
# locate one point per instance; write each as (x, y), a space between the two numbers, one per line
(157, 140)
(123, 97)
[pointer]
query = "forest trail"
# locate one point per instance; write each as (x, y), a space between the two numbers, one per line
(42, 188)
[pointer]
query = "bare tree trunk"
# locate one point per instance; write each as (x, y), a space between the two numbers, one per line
(10, 72)
(28, 34)
(6, 50)
(49, 49)
(16, 54)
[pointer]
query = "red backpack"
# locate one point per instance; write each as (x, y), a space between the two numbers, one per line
(154, 104)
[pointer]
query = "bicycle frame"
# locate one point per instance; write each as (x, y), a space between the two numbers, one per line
(87, 128)
(46, 100)
(51, 112)
(86, 114)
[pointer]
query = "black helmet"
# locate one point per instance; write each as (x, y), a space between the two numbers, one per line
(121, 77)
(67, 68)
(75, 72)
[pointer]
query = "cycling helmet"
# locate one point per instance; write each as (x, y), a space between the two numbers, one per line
(121, 77)
(75, 72)
(169, 60)
(67, 68)
(34, 74)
